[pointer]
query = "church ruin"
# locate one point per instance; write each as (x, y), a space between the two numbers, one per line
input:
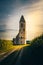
(20, 38)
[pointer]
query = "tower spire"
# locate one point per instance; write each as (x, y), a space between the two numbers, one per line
(22, 19)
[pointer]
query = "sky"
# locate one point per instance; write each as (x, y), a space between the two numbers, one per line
(10, 13)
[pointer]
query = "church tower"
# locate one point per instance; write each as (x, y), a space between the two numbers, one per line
(22, 30)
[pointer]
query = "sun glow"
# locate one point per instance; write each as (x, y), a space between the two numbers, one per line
(33, 24)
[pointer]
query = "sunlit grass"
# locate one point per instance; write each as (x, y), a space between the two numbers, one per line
(18, 47)
(7, 45)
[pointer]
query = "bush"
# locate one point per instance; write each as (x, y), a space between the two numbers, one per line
(37, 41)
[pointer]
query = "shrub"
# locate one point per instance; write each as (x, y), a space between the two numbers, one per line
(37, 41)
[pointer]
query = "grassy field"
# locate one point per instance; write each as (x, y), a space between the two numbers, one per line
(5, 45)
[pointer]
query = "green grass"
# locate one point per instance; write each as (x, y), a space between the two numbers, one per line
(5, 45)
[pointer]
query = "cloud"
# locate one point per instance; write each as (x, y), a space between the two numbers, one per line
(28, 1)
(11, 11)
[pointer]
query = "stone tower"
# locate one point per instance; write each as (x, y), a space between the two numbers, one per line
(22, 30)
(20, 38)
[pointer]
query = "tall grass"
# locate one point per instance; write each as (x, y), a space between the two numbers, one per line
(5, 44)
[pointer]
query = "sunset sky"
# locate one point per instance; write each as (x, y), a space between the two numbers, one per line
(10, 13)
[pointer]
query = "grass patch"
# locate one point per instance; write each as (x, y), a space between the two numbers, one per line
(5, 45)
